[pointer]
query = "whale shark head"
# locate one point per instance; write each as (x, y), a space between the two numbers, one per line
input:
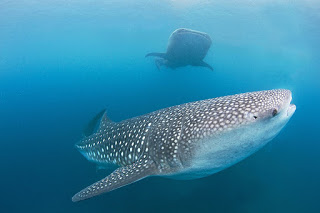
(271, 107)
(262, 113)
(265, 112)
(238, 126)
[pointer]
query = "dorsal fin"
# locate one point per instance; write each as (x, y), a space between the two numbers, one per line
(93, 123)
(104, 120)
(120, 177)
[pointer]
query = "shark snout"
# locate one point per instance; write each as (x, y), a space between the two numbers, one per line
(291, 110)
(287, 107)
(277, 102)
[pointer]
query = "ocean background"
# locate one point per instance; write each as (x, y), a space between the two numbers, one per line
(62, 61)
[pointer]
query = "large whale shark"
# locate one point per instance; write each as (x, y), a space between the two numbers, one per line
(187, 141)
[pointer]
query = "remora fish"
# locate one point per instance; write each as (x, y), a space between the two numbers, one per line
(187, 141)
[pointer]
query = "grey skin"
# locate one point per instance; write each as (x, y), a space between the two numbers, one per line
(187, 141)
(186, 47)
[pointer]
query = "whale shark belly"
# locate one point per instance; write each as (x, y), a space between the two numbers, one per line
(222, 151)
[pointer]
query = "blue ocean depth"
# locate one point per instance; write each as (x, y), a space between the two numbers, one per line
(63, 61)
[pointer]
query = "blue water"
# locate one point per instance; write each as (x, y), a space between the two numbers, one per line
(63, 61)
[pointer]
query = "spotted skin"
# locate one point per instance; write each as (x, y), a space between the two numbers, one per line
(186, 141)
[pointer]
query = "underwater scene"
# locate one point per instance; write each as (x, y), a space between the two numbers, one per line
(160, 106)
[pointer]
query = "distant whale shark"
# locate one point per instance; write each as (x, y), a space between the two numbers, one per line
(185, 47)
(187, 141)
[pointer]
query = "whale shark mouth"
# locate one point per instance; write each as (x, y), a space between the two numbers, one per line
(291, 109)
(287, 108)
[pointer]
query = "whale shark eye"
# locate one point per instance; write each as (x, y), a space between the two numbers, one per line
(274, 112)
(255, 117)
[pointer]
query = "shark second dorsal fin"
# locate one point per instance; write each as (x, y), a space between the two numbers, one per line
(120, 177)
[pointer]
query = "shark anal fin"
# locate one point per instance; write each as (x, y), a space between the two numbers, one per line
(120, 177)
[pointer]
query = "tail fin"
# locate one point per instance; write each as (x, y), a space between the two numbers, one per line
(160, 55)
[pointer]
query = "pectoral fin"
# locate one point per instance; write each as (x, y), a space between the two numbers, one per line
(204, 64)
(120, 177)
(160, 55)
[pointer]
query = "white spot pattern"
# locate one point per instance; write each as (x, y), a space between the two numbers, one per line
(168, 135)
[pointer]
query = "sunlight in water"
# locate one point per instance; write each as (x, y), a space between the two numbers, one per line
(184, 4)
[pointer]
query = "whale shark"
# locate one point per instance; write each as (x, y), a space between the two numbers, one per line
(187, 141)
(185, 47)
